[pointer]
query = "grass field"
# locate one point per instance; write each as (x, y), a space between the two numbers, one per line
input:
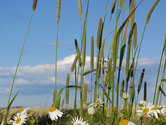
(100, 105)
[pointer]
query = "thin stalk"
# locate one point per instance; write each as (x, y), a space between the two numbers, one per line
(81, 92)
(18, 64)
(158, 92)
(162, 88)
(56, 59)
(158, 76)
(137, 59)
(140, 45)
(91, 89)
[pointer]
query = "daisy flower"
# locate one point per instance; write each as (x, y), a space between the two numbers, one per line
(146, 110)
(24, 110)
(91, 111)
(158, 110)
(126, 122)
(79, 121)
(54, 113)
(162, 109)
(125, 96)
(98, 103)
(18, 119)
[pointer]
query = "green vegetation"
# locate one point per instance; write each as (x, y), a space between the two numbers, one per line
(104, 107)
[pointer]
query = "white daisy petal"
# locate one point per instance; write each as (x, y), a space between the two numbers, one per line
(54, 113)
(78, 121)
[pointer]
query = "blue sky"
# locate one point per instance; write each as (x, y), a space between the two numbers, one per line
(36, 74)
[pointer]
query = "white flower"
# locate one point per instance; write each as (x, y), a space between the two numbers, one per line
(79, 121)
(125, 96)
(142, 103)
(162, 109)
(24, 111)
(54, 113)
(18, 119)
(158, 110)
(98, 103)
(146, 110)
(126, 122)
(91, 111)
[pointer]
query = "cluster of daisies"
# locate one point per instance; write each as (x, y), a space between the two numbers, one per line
(149, 110)
(146, 110)
(21, 117)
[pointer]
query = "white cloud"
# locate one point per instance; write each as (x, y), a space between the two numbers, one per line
(4, 91)
(148, 61)
(44, 74)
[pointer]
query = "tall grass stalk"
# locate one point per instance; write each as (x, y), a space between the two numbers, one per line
(159, 85)
(158, 73)
(18, 65)
(58, 19)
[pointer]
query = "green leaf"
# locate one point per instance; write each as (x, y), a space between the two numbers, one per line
(58, 98)
(12, 101)
(72, 86)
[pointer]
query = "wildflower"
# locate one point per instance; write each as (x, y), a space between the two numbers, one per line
(142, 103)
(24, 111)
(146, 110)
(79, 121)
(125, 96)
(126, 122)
(18, 119)
(54, 113)
(91, 111)
(158, 110)
(161, 109)
(98, 103)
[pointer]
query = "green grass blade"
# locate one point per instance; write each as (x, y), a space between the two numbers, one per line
(74, 64)
(67, 89)
(85, 93)
(135, 36)
(129, 48)
(92, 54)
(84, 44)
(8, 107)
(58, 98)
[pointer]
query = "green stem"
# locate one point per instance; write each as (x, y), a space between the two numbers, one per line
(158, 92)
(56, 58)
(18, 65)
(158, 76)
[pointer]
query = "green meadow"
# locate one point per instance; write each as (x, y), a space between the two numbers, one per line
(109, 98)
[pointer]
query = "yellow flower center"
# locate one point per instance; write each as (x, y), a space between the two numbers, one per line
(98, 102)
(146, 110)
(154, 108)
(21, 110)
(52, 109)
(123, 122)
(78, 124)
(18, 120)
